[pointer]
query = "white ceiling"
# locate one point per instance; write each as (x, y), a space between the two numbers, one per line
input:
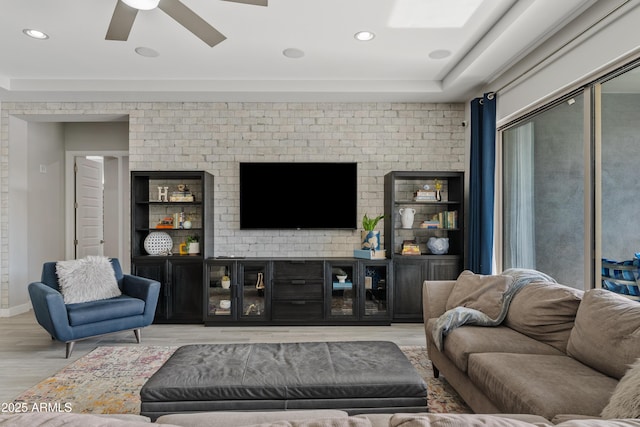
(77, 63)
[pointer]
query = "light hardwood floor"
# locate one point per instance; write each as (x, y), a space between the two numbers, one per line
(28, 355)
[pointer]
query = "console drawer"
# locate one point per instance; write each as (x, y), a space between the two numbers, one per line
(298, 289)
(308, 270)
(296, 310)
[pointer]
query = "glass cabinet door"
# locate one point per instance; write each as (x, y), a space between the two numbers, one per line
(220, 277)
(342, 292)
(375, 280)
(253, 291)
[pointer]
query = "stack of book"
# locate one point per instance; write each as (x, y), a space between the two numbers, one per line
(424, 196)
(181, 196)
(410, 247)
(166, 222)
(430, 224)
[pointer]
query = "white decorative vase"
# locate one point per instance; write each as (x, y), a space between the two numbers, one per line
(194, 247)
(226, 284)
(406, 216)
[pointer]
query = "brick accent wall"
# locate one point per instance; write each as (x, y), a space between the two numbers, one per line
(215, 137)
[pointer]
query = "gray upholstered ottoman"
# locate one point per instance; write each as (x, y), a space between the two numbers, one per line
(355, 376)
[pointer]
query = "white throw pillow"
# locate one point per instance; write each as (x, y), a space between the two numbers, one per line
(87, 279)
(625, 401)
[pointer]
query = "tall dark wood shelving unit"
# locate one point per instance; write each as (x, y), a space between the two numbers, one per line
(410, 271)
(181, 276)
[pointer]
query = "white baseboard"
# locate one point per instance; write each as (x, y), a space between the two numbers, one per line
(14, 311)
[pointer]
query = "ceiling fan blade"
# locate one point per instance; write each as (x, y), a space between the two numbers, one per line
(191, 21)
(121, 22)
(253, 2)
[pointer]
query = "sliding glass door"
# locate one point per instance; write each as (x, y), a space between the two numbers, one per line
(618, 149)
(543, 192)
(570, 182)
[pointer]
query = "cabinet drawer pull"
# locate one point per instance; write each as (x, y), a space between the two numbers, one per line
(298, 282)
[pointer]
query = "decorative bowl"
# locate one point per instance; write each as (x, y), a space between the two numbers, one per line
(341, 278)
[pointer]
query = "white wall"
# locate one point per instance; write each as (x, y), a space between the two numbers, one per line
(96, 136)
(17, 262)
(36, 200)
(116, 210)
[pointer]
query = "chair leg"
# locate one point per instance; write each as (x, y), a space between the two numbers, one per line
(137, 334)
(70, 345)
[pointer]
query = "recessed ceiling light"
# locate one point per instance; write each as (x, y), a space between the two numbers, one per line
(146, 51)
(142, 4)
(36, 34)
(293, 53)
(364, 36)
(439, 54)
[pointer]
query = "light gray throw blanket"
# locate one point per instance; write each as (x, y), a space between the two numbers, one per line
(459, 316)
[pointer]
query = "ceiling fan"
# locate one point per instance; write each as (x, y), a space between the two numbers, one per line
(126, 11)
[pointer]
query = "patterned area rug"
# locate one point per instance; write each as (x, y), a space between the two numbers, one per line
(108, 381)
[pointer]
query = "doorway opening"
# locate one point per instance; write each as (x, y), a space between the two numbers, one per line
(97, 189)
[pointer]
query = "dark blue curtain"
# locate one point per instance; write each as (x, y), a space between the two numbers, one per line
(482, 183)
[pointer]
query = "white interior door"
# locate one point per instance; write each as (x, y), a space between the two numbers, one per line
(88, 208)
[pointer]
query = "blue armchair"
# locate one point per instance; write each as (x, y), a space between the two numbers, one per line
(132, 310)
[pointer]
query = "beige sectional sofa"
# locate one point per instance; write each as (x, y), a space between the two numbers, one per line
(558, 351)
(309, 418)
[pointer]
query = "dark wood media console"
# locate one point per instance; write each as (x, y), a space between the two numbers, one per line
(298, 291)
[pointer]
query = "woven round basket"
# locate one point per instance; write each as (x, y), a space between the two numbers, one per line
(158, 243)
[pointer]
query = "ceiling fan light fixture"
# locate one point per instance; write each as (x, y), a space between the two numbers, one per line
(142, 4)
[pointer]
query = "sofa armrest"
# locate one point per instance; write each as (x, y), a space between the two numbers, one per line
(435, 294)
(50, 310)
(145, 289)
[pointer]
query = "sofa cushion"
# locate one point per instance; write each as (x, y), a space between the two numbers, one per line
(464, 420)
(234, 418)
(53, 419)
(87, 279)
(545, 311)
(466, 340)
(545, 385)
(625, 402)
(606, 321)
(597, 422)
(319, 422)
(97, 311)
(480, 292)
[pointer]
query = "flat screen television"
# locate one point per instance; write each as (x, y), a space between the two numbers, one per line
(297, 195)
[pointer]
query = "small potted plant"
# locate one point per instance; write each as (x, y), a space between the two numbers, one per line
(370, 236)
(225, 282)
(193, 244)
